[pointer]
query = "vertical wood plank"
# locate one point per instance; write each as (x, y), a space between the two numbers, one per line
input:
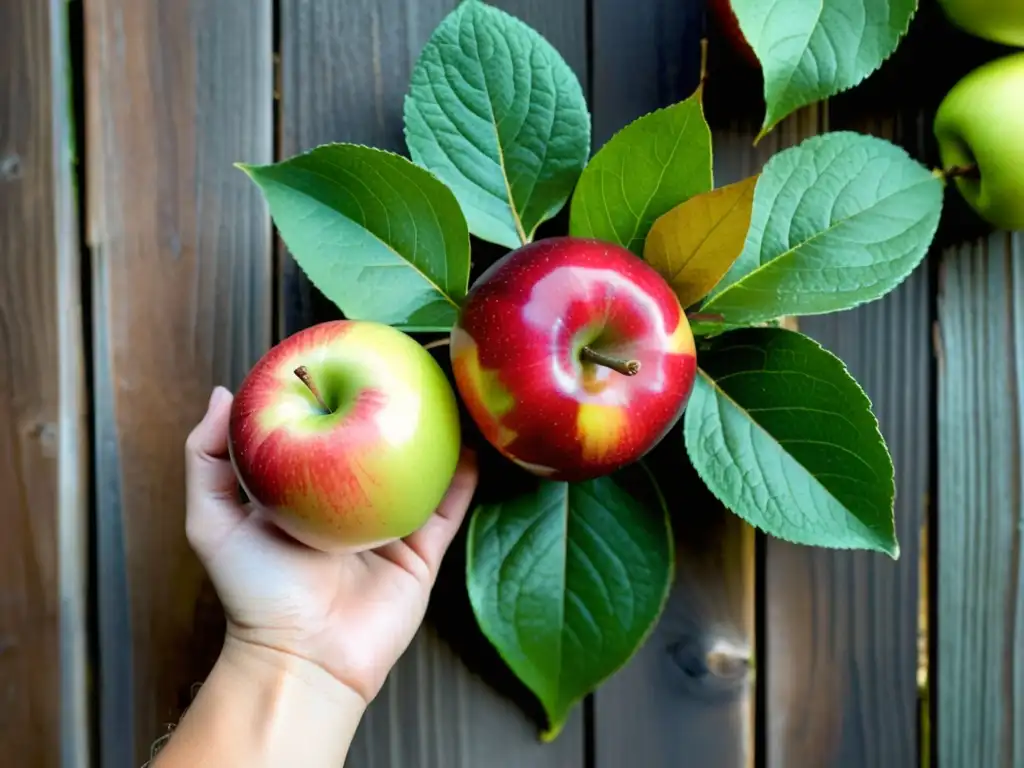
(177, 91)
(841, 645)
(842, 635)
(688, 694)
(980, 646)
(43, 452)
(345, 70)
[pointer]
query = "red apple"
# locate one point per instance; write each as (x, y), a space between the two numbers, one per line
(347, 433)
(727, 23)
(573, 357)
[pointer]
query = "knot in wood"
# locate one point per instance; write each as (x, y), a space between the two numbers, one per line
(713, 666)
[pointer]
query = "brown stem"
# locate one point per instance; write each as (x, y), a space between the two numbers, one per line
(969, 171)
(703, 61)
(625, 367)
(303, 373)
(437, 343)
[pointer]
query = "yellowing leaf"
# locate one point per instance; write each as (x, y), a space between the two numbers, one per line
(693, 245)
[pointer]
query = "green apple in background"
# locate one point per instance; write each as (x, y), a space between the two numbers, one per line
(979, 127)
(347, 433)
(1001, 21)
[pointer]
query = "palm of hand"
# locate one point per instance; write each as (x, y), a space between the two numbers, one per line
(352, 614)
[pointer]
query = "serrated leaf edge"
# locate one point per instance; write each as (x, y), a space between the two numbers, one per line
(707, 235)
(250, 169)
(408, 103)
(894, 552)
(556, 724)
(875, 296)
(696, 96)
(768, 125)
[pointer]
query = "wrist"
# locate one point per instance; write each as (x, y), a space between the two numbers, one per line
(264, 707)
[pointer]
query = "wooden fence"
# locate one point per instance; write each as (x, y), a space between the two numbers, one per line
(138, 268)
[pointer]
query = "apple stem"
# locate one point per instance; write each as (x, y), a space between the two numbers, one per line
(969, 171)
(303, 373)
(625, 367)
(437, 343)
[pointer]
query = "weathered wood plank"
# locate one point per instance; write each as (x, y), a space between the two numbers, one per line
(841, 647)
(43, 445)
(980, 615)
(690, 690)
(841, 643)
(177, 92)
(345, 70)
(854, 617)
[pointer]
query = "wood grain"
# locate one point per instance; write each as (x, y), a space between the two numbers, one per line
(177, 92)
(344, 71)
(688, 695)
(841, 643)
(43, 448)
(980, 614)
(842, 626)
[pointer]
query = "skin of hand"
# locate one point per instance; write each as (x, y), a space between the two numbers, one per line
(311, 637)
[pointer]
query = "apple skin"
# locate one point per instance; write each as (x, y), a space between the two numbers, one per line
(999, 21)
(981, 121)
(371, 470)
(515, 352)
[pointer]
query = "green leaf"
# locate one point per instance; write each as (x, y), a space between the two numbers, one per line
(838, 220)
(495, 112)
(649, 167)
(567, 581)
(380, 237)
(783, 435)
(812, 49)
(694, 244)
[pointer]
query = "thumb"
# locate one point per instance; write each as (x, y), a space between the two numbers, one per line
(211, 491)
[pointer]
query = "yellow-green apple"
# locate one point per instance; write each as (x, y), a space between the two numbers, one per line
(979, 128)
(1000, 21)
(347, 433)
(573, 357)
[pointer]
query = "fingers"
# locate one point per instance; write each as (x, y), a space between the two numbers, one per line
(211, 491)
(431, 541)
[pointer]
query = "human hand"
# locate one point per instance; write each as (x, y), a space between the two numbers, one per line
(352, 615)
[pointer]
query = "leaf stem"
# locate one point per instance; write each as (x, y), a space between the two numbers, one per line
(617, 364)
(437, 343)
(303, 373)
(703, 62)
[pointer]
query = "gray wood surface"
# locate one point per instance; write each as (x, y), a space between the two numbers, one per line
(344, 71)
(43, 452)
(181, 277)
(687, 697)
(841, 627)
(980, 612)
